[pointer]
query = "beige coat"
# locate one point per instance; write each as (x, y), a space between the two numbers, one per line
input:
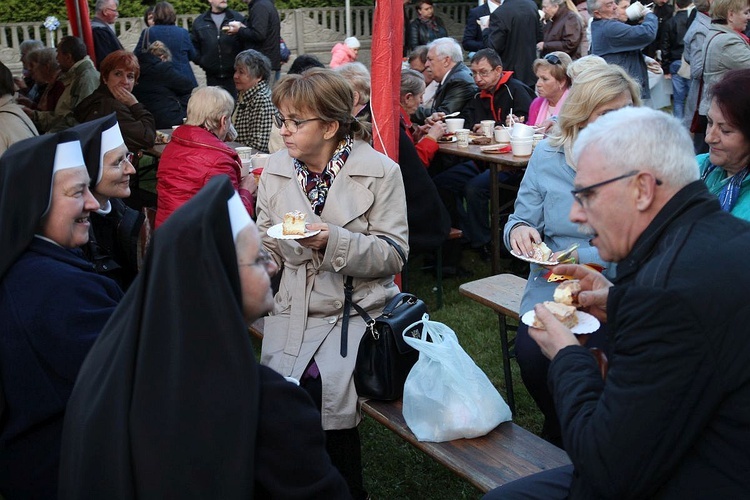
(726, 51)
(365, 200)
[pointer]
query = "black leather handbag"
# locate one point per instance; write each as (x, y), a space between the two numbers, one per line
(383, 358)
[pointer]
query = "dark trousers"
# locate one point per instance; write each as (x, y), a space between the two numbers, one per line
(534, 366)
(343, 445)
(226, 83)
(553, 484)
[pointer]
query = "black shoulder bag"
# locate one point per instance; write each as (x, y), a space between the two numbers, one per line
(383, 358)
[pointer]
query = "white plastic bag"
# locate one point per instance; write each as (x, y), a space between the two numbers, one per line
(446, 395)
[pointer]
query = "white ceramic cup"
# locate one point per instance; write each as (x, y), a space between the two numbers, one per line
(462, 137)
(244, 152)
(453, 124)
(522, 147)
(635, 11)
(487, 127)
(522, 131)
(502, 135)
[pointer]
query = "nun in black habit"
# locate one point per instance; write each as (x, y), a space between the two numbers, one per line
(115, 227)
(52, 304)
(170, 402)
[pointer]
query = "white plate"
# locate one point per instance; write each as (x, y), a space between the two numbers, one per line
(586, 322)
(278, 233)
(534, 261)
(447, 139)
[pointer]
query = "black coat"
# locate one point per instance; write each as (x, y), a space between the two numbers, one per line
(472, 40)
(429, 222)
(672, 39)
(513, 94)
(216, 50)
(263, 32)
(451, 96)
(421, 34)
(672, 419)
(514, 31)
(163, 90)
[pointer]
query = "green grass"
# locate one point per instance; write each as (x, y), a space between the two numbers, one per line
(394, 469)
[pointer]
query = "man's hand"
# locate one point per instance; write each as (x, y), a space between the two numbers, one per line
(434, 118)
(555, 337)
(594, 288)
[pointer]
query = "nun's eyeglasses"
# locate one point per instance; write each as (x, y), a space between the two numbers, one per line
(264, 259)
(129, 157)
(291, 124)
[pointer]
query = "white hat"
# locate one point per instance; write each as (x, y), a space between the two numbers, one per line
(352, 42)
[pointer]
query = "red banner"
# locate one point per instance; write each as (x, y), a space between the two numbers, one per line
(78, 15)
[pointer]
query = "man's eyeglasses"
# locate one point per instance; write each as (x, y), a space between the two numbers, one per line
(581, 195)
(291, 124)
(552, 59)
(264, 259)
(483, 74)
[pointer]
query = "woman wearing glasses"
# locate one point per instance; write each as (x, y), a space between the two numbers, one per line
(253, 114)
(541, 214)
(197, 152)
(355, 197)
(552, 87)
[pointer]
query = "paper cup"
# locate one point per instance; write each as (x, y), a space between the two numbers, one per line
(502, 135)
(244, 152)
(522, 147)
(453, 124)
(259, 160)
(246, 164)
(537, 138)
(487, 127)
(635, 11)
(462, 137)
(484, 22)
(257, 172)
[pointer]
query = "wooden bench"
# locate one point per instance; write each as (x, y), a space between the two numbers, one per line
(502, 293)
(507, 453)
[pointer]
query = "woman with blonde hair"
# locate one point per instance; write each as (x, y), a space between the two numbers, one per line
(354, 205)
(552, 87)
(541, 215)
(197, 152)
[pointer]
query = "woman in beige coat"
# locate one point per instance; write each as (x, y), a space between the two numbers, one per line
(355, 197)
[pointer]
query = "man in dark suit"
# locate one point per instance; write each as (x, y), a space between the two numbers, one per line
(473, 40)
(456, 86)
(514, 31)
(672, 417)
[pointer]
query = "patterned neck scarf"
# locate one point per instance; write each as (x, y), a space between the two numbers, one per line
(316, 185)
(731, 189)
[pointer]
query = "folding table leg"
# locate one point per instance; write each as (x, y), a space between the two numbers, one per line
(505, 345)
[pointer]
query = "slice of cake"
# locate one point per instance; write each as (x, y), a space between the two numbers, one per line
(542, 252)
(564, 313)
(567, 292)
(294, 223)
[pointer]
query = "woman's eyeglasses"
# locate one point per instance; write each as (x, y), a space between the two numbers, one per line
(291, 124)
(129, 157)
(552, 59)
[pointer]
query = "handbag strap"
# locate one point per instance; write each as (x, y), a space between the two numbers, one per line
(349, 303)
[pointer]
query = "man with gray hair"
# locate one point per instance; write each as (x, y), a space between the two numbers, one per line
(621, 43)
(455, 83)
(102, 29)
(672, 417)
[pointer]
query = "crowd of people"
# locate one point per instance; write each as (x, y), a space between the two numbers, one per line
(133, 345)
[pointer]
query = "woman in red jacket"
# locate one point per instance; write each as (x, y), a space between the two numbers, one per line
(197, 152)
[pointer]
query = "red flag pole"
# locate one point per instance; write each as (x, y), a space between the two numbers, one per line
(78, 15)
(385, 73)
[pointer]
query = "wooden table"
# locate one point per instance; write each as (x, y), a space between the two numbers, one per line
(498, 163)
